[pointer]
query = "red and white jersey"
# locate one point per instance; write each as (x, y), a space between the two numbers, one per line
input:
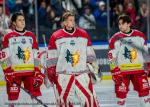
(21, 51)
(126, 51)
(70, 52)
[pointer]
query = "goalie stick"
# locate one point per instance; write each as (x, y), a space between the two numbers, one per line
(38, 100)
(47, 82)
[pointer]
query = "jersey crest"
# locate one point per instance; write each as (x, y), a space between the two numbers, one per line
(72, 58)
(130, 54)
(72, 42)
(23, 54)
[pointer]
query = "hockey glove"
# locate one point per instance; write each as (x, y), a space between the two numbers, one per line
(9, 75)
(116, 75)
(148, 69)
(95, 73)
(38, 78)
(51, 72)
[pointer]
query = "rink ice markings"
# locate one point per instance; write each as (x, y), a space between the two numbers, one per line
(104, 90)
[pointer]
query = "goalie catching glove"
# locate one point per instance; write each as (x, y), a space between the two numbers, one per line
(95, 72)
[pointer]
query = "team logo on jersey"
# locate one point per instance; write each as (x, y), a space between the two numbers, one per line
(23, 41)
(14, 41)
(72, 58)
(24, 54)
(30, 41)
(72, 42)
(123, 41)
(130, 54)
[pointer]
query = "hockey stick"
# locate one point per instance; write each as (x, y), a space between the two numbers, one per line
(32, 96)
(47, 84)
(45, 70)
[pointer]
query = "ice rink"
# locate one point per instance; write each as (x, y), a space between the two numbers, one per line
(104, 90)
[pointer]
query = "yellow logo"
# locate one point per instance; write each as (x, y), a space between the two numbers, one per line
(75, 57)
(26, 54)
(72, 58)
(133, 54)
(130, 54)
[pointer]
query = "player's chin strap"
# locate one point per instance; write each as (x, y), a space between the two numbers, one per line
(32, 96)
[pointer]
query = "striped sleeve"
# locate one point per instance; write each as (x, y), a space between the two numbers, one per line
(91, 56)
(5, 59)
(52, 53)
(112, 53)
(37, 61)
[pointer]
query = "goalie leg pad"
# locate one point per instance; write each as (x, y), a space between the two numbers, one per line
(85, 91)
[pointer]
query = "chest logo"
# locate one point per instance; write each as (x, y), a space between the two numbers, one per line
(130, 54)
(72, 42)
(23, 41)
(30, 41)
(129, 42)
(24, 54)
(72, 58)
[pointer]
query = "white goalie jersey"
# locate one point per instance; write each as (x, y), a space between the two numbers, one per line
(70, 52)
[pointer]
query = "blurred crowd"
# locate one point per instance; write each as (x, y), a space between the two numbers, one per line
(92, 15)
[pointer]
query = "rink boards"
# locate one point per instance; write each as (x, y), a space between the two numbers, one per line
(101, 50)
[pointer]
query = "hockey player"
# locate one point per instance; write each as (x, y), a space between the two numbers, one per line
(71, 64)
(20, 62)
(127, 48)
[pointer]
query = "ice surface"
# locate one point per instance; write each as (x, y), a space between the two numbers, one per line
(104, 90)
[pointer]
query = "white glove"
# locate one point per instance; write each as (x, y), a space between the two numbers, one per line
(95, 73)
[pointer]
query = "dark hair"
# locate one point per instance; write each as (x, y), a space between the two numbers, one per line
(124, 18)
(15, 15)
(66, 15)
